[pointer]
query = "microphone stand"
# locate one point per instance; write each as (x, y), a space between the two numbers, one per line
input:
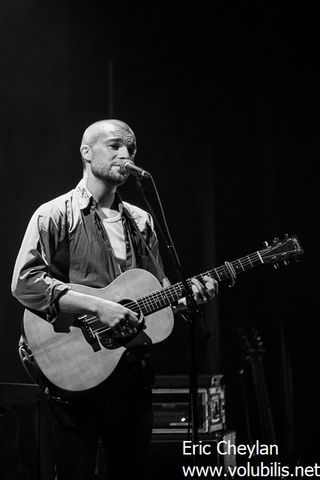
(192, 307)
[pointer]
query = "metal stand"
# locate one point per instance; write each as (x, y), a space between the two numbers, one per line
(192, 308)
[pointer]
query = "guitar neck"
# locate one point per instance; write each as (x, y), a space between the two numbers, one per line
(225, 273)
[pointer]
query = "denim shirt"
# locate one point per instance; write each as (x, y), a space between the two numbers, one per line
(65, 242)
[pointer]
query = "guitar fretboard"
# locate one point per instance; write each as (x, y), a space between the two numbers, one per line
(170, 295)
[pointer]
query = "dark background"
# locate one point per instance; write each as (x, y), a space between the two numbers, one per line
(225, 106)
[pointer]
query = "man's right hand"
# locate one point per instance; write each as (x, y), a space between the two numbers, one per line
(112, 313)
(118, 317)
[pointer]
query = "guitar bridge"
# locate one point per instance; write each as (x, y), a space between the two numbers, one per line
(89, 335)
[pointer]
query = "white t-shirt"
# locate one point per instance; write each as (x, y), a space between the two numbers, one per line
(114, 228)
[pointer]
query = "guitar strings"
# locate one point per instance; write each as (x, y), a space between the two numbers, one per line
(161, 298)
(177, 289)
(220, 273)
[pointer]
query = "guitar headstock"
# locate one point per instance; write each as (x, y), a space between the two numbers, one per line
(250, 344)
(244, 345)
(283, 250)
(256, 341)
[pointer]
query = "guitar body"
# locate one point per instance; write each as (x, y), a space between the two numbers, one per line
(64, 355)
(78, 353)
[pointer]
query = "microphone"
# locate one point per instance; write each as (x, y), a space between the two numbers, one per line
(127, 166)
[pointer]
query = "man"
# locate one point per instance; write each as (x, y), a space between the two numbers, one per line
(89, 237)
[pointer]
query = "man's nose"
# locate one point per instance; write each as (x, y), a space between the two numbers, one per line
(123, 153)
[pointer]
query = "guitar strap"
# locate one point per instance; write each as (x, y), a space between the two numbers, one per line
(140, 241)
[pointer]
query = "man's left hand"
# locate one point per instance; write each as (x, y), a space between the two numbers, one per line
(205, 289)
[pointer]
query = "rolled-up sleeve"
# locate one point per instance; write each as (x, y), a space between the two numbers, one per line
(32, 282)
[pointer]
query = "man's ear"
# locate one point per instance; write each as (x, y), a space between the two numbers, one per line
(86, 153)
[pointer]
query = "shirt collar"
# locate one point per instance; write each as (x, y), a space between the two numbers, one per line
(86, 198)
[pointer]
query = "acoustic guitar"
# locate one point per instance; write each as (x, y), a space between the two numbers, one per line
(252, 352)
(77, 353)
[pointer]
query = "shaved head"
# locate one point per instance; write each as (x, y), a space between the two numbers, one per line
(101, 129)
(93, 132)
(104, 146)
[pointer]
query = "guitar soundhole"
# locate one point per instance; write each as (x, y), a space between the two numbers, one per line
(115, 338)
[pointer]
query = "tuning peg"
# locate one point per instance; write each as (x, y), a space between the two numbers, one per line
(286, 262)
(276, 265)
(275, 240)
(286, 236)
(265, 244)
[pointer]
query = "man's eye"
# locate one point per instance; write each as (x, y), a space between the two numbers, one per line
(131, 151)
(114, 146)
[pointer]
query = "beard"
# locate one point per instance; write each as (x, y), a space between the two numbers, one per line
(114, 179)
(110, 177)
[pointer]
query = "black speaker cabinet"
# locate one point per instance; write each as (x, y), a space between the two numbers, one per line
(25, 440)
(171, 454)
(171, 404)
